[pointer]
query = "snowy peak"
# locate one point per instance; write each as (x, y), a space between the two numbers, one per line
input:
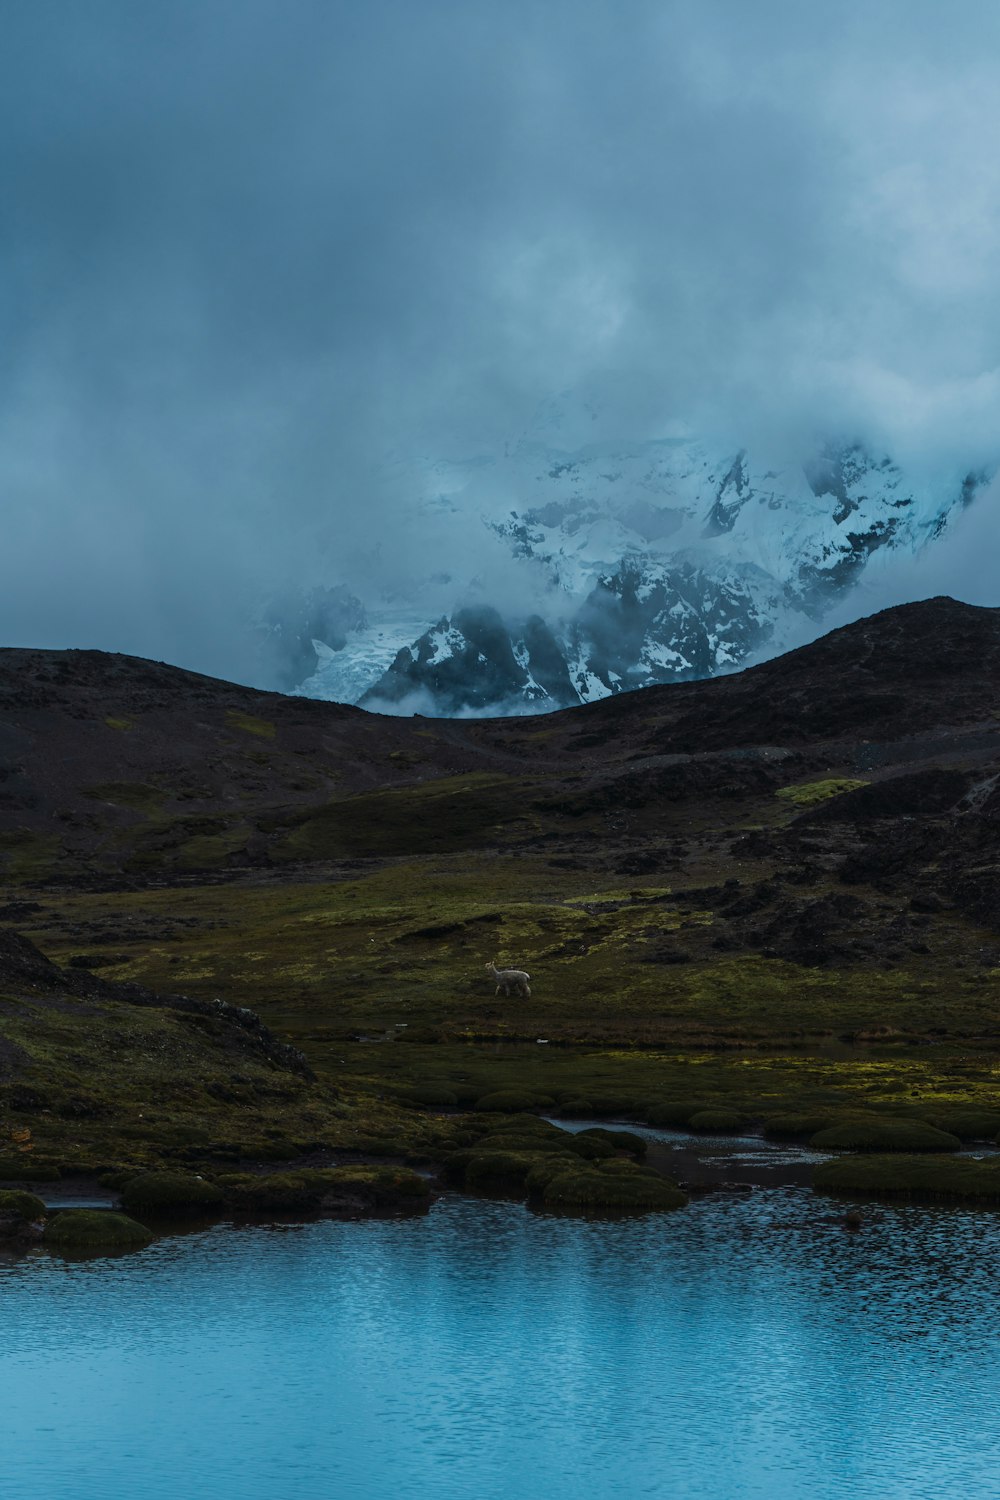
(640, 562)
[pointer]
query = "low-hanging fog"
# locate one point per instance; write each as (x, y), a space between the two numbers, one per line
(261, 261)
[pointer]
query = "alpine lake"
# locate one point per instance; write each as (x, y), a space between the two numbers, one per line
(751, 1346)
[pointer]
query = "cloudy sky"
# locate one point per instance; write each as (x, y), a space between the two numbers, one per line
(248, 247)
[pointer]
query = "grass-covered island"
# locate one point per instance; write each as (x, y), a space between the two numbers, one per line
(243, 938)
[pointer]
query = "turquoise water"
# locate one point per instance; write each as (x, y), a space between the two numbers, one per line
(745, 1347)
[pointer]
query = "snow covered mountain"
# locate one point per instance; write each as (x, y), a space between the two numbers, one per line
(606, 566)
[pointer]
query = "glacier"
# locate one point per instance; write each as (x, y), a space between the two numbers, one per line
(620, 563)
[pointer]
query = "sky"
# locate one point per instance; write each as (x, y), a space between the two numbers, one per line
(251, 247)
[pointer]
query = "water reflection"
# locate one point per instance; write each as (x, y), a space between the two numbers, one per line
(741, 1348)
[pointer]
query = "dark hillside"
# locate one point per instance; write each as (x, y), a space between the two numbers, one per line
(802, 856)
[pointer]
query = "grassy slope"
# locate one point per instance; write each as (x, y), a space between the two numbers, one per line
(350, 877)
(404, 947)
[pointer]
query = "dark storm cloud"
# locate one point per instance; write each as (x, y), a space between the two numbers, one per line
(249, 248)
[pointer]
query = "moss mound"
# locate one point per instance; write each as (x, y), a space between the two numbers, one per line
(117, 1179)
(521, 1125)
(279, 1193)
(341, 1191)
(513, 1101)
(90, 1229)
(590, 1147)
(716, 1122)
(792, 1126)
(427, 1095)
(610, 1187)
(170, 1195)
(19, 1205)
(622, 1106)
(671, 1115)
(576, 1109)
(883, 1135)
(513, 1140)
(26, 1169)
(911, 1177)
(618, 1140)
(969, 1123)
(378, 1189)
(501, 1172)
(563, 1142)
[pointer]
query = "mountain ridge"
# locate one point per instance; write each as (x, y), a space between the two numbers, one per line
(623, 564)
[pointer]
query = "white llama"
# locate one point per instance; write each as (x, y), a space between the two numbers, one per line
(510, 979)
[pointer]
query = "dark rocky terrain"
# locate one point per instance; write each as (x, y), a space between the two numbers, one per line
(115, 768)
(802, 857)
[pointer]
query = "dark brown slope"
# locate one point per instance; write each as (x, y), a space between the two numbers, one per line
(901, 672)
(99, 750)
(67, 717)
(114, 765)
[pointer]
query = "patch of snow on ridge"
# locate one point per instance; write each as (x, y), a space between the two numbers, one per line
(343, 676)
(443, 644)
(617, 563)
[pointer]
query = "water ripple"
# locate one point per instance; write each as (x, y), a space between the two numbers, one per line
(738, 1350)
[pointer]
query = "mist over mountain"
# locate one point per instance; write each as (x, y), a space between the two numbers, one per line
(578, 573)
(287, 295)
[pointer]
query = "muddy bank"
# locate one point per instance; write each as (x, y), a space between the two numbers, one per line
(697, 1171)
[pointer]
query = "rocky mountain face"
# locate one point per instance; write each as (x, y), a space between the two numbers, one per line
(646, 562)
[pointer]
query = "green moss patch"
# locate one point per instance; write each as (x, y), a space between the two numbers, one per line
(26, 856)
(809, 793)
(428, 1096)
(967, 1124)
(610, 1187)
(672, 1115)
(618, 1140)
(716, 1122)
(18, 1205)
(453, 812)
(919, 1177)
(495, 1171)
(91, 1229)
(27, 1168)
(883, 1135)
(511, 1101)
(137, 796)
(170, 1195)
(796, 1126)
(250, 724)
